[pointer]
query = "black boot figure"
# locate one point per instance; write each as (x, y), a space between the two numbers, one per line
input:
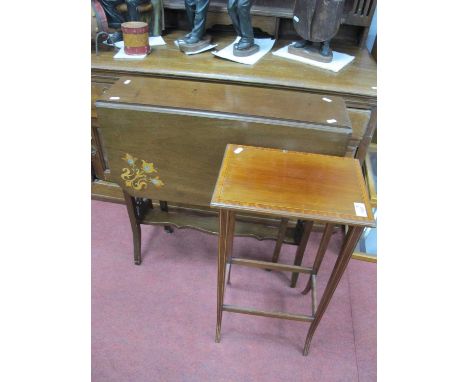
(197, 11)
(239, 11)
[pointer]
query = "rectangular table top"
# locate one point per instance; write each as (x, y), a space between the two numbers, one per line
(209, 99)
(294, 184)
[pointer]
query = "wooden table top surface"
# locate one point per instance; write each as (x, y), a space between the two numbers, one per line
(358, 78)
(293, 184)
(231, 99)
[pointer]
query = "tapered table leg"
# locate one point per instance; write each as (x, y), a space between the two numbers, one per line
(226, 237)
(346, 252)
(232, 223)
(136, 230)
(327, 233)
(280, 239)
(301, 249)
(229, 272)
(136, 244)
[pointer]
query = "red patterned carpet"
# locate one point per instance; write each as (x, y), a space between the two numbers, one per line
(156, 321)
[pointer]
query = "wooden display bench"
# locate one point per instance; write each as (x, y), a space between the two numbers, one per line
(356, 83)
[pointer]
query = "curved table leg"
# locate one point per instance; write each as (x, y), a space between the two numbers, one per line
(346, 252)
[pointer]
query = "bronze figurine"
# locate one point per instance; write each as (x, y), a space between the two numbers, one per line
(239, 11)
(317, 22)
(197, 11)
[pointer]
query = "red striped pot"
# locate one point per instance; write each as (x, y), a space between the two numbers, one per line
(136, 37)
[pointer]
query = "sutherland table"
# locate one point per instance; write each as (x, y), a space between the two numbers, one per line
(290, 184)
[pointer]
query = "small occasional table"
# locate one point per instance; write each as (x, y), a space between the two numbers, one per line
(287, 184)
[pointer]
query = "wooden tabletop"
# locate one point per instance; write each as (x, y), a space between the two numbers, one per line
(357, 79)
(293, 184)
(273, 104)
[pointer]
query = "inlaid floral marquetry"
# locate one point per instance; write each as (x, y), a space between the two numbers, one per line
(140, 173)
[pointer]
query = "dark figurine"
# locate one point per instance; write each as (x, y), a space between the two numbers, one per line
(317, 22)
(197, 11)
(115, 18)
(239, 11)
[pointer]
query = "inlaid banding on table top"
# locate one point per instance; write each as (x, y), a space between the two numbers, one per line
(276, 207)
(324, 216)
